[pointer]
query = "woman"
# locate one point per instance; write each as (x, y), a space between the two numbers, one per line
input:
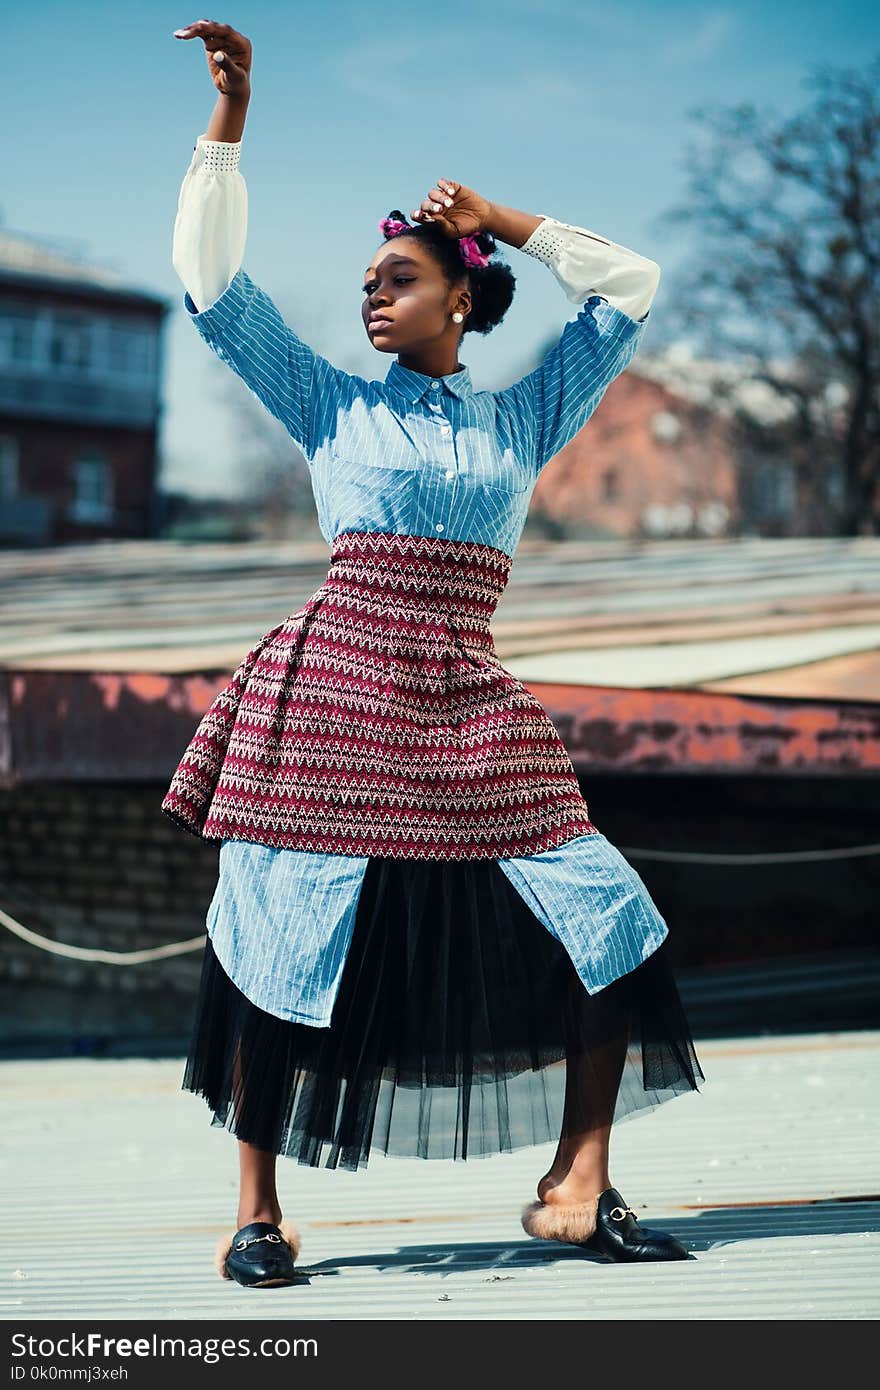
(415, 920)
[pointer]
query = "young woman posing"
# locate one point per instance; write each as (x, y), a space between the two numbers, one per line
(415, 919)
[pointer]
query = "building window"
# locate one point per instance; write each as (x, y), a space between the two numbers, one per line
(8, 467)
(70, 342)
(130, 350)
(610, 485)
(93, 490)
(16, 336)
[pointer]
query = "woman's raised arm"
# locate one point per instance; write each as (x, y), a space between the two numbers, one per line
(583, 262)
(615, 287)
(210, 228)
(237, 319)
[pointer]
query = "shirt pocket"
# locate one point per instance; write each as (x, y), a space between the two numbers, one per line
(370, 475)
(505, 475)
(371, 439)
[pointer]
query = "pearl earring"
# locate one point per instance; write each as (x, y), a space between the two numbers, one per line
(457, 317)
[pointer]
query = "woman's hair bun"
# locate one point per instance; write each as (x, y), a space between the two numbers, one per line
(393, 224)
(492, 288)
(486, 242)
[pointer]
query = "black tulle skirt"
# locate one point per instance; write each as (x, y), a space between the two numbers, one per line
(460, 1029)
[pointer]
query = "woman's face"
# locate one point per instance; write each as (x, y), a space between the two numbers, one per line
(405, 284)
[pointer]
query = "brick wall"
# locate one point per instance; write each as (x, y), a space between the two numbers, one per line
(98, 865)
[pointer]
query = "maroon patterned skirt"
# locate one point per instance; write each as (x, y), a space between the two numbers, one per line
(378, 720)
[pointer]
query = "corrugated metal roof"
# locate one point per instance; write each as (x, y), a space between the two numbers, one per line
(769, 1175)
(618, 613)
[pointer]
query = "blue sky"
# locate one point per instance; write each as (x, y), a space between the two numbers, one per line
(578, 110)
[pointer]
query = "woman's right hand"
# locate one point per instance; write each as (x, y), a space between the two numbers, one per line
(229, 56)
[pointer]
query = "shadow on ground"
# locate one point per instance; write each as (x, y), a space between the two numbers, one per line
(707, 1230)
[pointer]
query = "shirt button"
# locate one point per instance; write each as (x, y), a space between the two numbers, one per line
(450, 472)
(435, 386)
(432, 405)
(439, 526)
(444, 429)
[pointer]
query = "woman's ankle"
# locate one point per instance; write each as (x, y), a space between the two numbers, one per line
(258, 1211)
(581, 1181)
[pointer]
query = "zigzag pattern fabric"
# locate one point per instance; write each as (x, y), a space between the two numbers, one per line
(378, 720)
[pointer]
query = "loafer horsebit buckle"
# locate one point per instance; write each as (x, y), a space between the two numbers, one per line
(243, 1244)
(619, 1213)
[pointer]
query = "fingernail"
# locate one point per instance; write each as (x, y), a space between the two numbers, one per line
(448, 202)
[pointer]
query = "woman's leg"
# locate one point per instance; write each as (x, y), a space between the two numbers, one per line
(594, 1067)
(574, 1203)
(257, 1193)
(258, 1197)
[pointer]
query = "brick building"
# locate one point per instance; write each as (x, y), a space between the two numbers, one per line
(655, 460)
(664, 456)
(80, 370)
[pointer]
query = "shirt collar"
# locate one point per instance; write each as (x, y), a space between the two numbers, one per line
(414, 385)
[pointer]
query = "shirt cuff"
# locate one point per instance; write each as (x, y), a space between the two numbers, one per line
(548, 239)
(216, 156)
(585, 263)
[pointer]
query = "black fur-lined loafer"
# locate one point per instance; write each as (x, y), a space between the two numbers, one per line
(606, 1226)
(260, 1255)
(619, 1236)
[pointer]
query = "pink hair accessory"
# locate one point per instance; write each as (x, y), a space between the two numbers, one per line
(471, 253)
(392, 226)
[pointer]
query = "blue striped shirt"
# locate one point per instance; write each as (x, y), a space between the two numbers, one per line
(415, 455)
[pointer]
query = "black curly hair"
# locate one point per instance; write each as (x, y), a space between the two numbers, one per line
(491, 286)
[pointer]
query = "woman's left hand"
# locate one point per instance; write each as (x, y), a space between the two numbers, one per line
(459, 211)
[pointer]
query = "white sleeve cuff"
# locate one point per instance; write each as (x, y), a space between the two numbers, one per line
(586, 263)
(216, 156)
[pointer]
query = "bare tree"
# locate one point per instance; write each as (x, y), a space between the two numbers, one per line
(784, 277)
(273, 469)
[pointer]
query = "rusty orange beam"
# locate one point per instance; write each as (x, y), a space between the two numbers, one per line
(78, 725)
(668, 729)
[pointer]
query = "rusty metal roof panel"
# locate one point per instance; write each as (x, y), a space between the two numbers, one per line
(629, 613)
